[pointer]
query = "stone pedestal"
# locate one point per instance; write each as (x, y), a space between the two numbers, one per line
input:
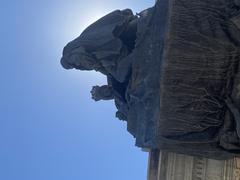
(172, 166)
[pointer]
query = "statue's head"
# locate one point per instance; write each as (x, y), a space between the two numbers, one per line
(97, 42)
(76, 56)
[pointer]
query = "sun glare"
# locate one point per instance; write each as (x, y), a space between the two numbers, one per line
(91, 19)
(86, 21)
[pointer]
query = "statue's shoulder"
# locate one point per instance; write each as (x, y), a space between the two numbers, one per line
(109, 21)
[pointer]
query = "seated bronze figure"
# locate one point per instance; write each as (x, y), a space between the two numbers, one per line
(173, 71)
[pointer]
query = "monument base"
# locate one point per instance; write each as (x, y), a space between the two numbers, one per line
(172, 166)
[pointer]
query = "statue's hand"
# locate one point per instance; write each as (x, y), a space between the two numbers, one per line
(102, 93)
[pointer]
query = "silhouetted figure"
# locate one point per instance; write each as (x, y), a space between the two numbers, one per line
(173, 72)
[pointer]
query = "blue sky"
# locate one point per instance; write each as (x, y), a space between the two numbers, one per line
(50, 129)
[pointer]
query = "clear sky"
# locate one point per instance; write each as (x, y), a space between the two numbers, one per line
(50, 129)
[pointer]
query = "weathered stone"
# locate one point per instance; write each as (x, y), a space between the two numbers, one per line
(172, 166)
(173, 71)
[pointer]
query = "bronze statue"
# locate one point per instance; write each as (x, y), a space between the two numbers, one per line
(173, 71)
